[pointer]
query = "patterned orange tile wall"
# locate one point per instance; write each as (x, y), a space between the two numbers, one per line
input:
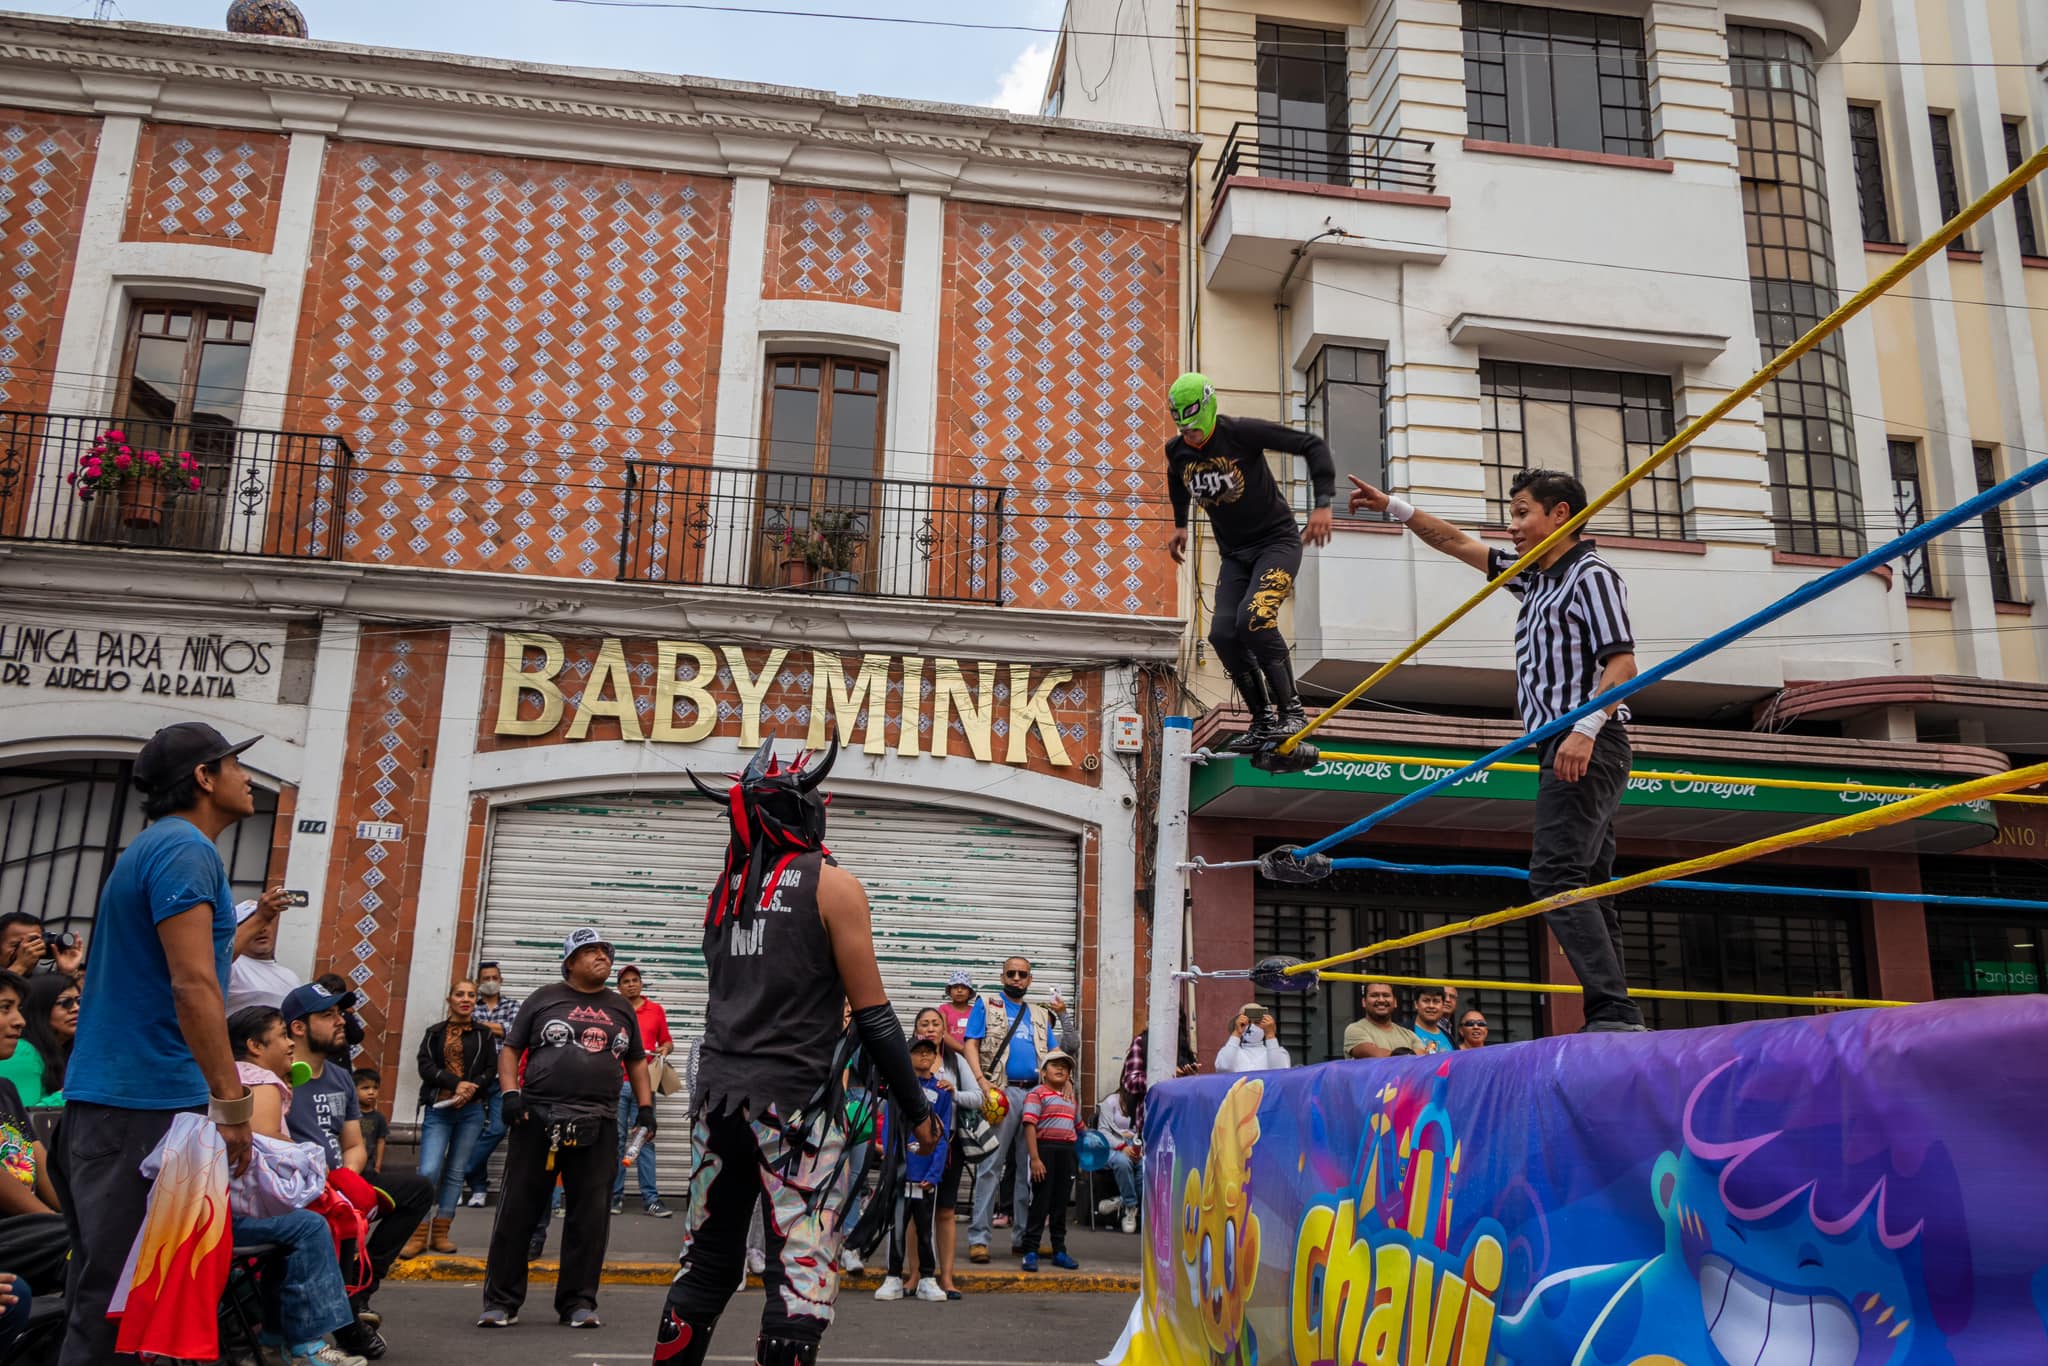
(216, 186)
(839, 246)
(786, 704)
(495, 336)
(1058, 336)
(46, 163)
(366, 929)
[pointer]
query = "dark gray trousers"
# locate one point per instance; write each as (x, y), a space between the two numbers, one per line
(1572, 847)
(97, 1172)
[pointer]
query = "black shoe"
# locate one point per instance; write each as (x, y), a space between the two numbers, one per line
(538, 1244)
(1288, 723)
(1259, 735)
(361, 1341)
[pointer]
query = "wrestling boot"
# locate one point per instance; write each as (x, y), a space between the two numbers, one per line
(1259, 734)
(1288, 719)
(682, 1342)
(784, 1352)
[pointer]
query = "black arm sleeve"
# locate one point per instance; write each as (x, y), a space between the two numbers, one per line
(1322, 466)
(1177, 491)
(881, 1035)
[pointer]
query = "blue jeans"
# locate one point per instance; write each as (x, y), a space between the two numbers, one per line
(312, 1301)
(447, 1145)
(1009, 1136)
(1126, 1173)
(15, 1317)
(478, 1177)
(643, 1165)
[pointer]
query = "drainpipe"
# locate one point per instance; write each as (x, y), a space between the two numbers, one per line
(1281, 310)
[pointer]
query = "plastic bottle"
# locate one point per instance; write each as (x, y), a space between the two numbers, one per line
(635, 1141)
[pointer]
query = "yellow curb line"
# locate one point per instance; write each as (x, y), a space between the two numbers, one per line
(661, 1273)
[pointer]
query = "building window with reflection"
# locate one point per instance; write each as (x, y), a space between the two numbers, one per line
(1556, 78)
(1867, 146)
(1347, 407)
(2022, 201)
(1816, 505)
(1304, 103)
(1599, 424)
(2004, 585)
(1909, 504)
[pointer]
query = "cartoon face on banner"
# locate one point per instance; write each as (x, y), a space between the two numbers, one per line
(1830, 1192)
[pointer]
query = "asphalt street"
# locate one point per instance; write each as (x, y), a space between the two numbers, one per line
(433, 1324)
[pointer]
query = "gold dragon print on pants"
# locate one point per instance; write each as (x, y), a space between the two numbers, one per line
(1274, 586)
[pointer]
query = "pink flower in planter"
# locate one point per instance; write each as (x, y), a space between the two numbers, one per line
(152, 459)
(122, 462)
(72, 478)
(126, 451)
(116, 435)
(195, 481)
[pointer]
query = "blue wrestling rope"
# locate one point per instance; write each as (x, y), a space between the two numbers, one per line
(1759, 888)
(1791, 602)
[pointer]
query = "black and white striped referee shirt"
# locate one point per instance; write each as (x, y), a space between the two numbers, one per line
(1574, 618)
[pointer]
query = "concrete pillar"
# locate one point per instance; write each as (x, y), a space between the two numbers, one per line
(1895, 933)
(1222, 914)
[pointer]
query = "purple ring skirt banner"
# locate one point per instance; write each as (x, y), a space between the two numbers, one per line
(1851, 1189)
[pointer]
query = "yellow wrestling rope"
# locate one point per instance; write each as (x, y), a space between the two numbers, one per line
(1789, 784)
(1573, 989)
(1874, 819)
(1694, 429)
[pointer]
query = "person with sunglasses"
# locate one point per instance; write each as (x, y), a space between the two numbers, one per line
(1023, 1034)
(1471, 1031)
(1220, 463)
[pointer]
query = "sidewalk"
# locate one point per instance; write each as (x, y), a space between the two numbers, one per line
(643, 1252)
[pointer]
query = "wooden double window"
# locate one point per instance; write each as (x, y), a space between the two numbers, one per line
(821, 464)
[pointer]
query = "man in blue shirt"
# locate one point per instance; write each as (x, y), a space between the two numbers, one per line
(153, 1036)
(1014, 1064)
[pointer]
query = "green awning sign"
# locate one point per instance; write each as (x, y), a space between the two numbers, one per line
(1376, 779)
(1994, 978)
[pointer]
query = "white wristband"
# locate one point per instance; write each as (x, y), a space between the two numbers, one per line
(1399, 508)
(1590, 726)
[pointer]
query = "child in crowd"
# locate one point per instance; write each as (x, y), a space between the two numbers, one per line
(1432, 1018)
(916, 1194)
(1052, 1132)
(376, 1128)
(966, 1016)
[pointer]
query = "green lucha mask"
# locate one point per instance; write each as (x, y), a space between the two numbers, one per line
(1194, 404)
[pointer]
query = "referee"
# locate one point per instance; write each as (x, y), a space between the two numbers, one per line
(1572, 643)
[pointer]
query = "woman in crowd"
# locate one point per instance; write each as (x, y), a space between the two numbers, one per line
(49, 1024)
(957, 1075)
(457, 1059)
(1472, 1029)
(310, 1299)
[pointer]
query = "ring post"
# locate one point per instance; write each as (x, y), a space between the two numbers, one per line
(1169, 895)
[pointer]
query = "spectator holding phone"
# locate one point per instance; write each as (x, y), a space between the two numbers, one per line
(1251, 1046)
(256, 978)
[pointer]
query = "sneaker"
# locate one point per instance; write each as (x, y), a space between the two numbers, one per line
(891, 1288)
(851, 1264)
(582, 1318)
(495, 1317)
(654, 1209)
(362, 1339)
(476, 1199)
(978, 1254)
(929, 1289)
(1061, 1260)
(1130, 1224)
(618, 1205)
(327, 1356)
(757, 1262)
(1109, 1206)
(1031, 1261)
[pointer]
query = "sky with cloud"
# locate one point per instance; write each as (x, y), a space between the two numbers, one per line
(957, 65)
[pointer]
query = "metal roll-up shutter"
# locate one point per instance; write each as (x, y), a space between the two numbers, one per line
(949, 889)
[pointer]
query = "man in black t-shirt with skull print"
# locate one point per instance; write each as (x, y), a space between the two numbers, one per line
(561, 1068)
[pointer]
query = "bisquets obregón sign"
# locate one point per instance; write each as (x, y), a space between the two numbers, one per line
(676, 691)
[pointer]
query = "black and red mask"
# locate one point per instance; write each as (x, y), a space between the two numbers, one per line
(777, 815)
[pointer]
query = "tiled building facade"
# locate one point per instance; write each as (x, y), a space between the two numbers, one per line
(557, 434)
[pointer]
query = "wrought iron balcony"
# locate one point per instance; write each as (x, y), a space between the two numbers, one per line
(171, 485)
(749, 528)
(1318, 156)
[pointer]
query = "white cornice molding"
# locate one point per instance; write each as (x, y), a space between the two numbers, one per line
(622, 118)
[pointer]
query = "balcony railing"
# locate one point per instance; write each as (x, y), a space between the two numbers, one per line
(1319, 156)
(747, 528)
(243, 491)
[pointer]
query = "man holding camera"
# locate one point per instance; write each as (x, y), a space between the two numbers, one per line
(26, 949)
(566, 1056)
(1251, 1046)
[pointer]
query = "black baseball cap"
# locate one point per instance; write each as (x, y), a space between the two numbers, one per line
(921, 1044)
(173, 752)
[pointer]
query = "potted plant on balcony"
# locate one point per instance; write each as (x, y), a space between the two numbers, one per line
(794, 553)
(833, 547)
(139, 481)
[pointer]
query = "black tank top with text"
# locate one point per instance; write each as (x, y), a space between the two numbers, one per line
(773, 1021)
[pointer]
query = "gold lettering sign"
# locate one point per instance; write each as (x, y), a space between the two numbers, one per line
(854, 700)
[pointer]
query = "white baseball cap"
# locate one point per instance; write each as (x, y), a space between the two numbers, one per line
(585, 938)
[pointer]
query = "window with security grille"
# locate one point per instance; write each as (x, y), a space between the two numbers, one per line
(1909, 504)
(1948, 189)
(1350, 909)
(1761, 944)
(1985, 952)
(1997, 551)
(1868, 148)
(1816, 503)
(2022, 200)
(1556, 78)
(1599, 424)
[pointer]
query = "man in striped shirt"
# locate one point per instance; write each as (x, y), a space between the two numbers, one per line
(1572, 643)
